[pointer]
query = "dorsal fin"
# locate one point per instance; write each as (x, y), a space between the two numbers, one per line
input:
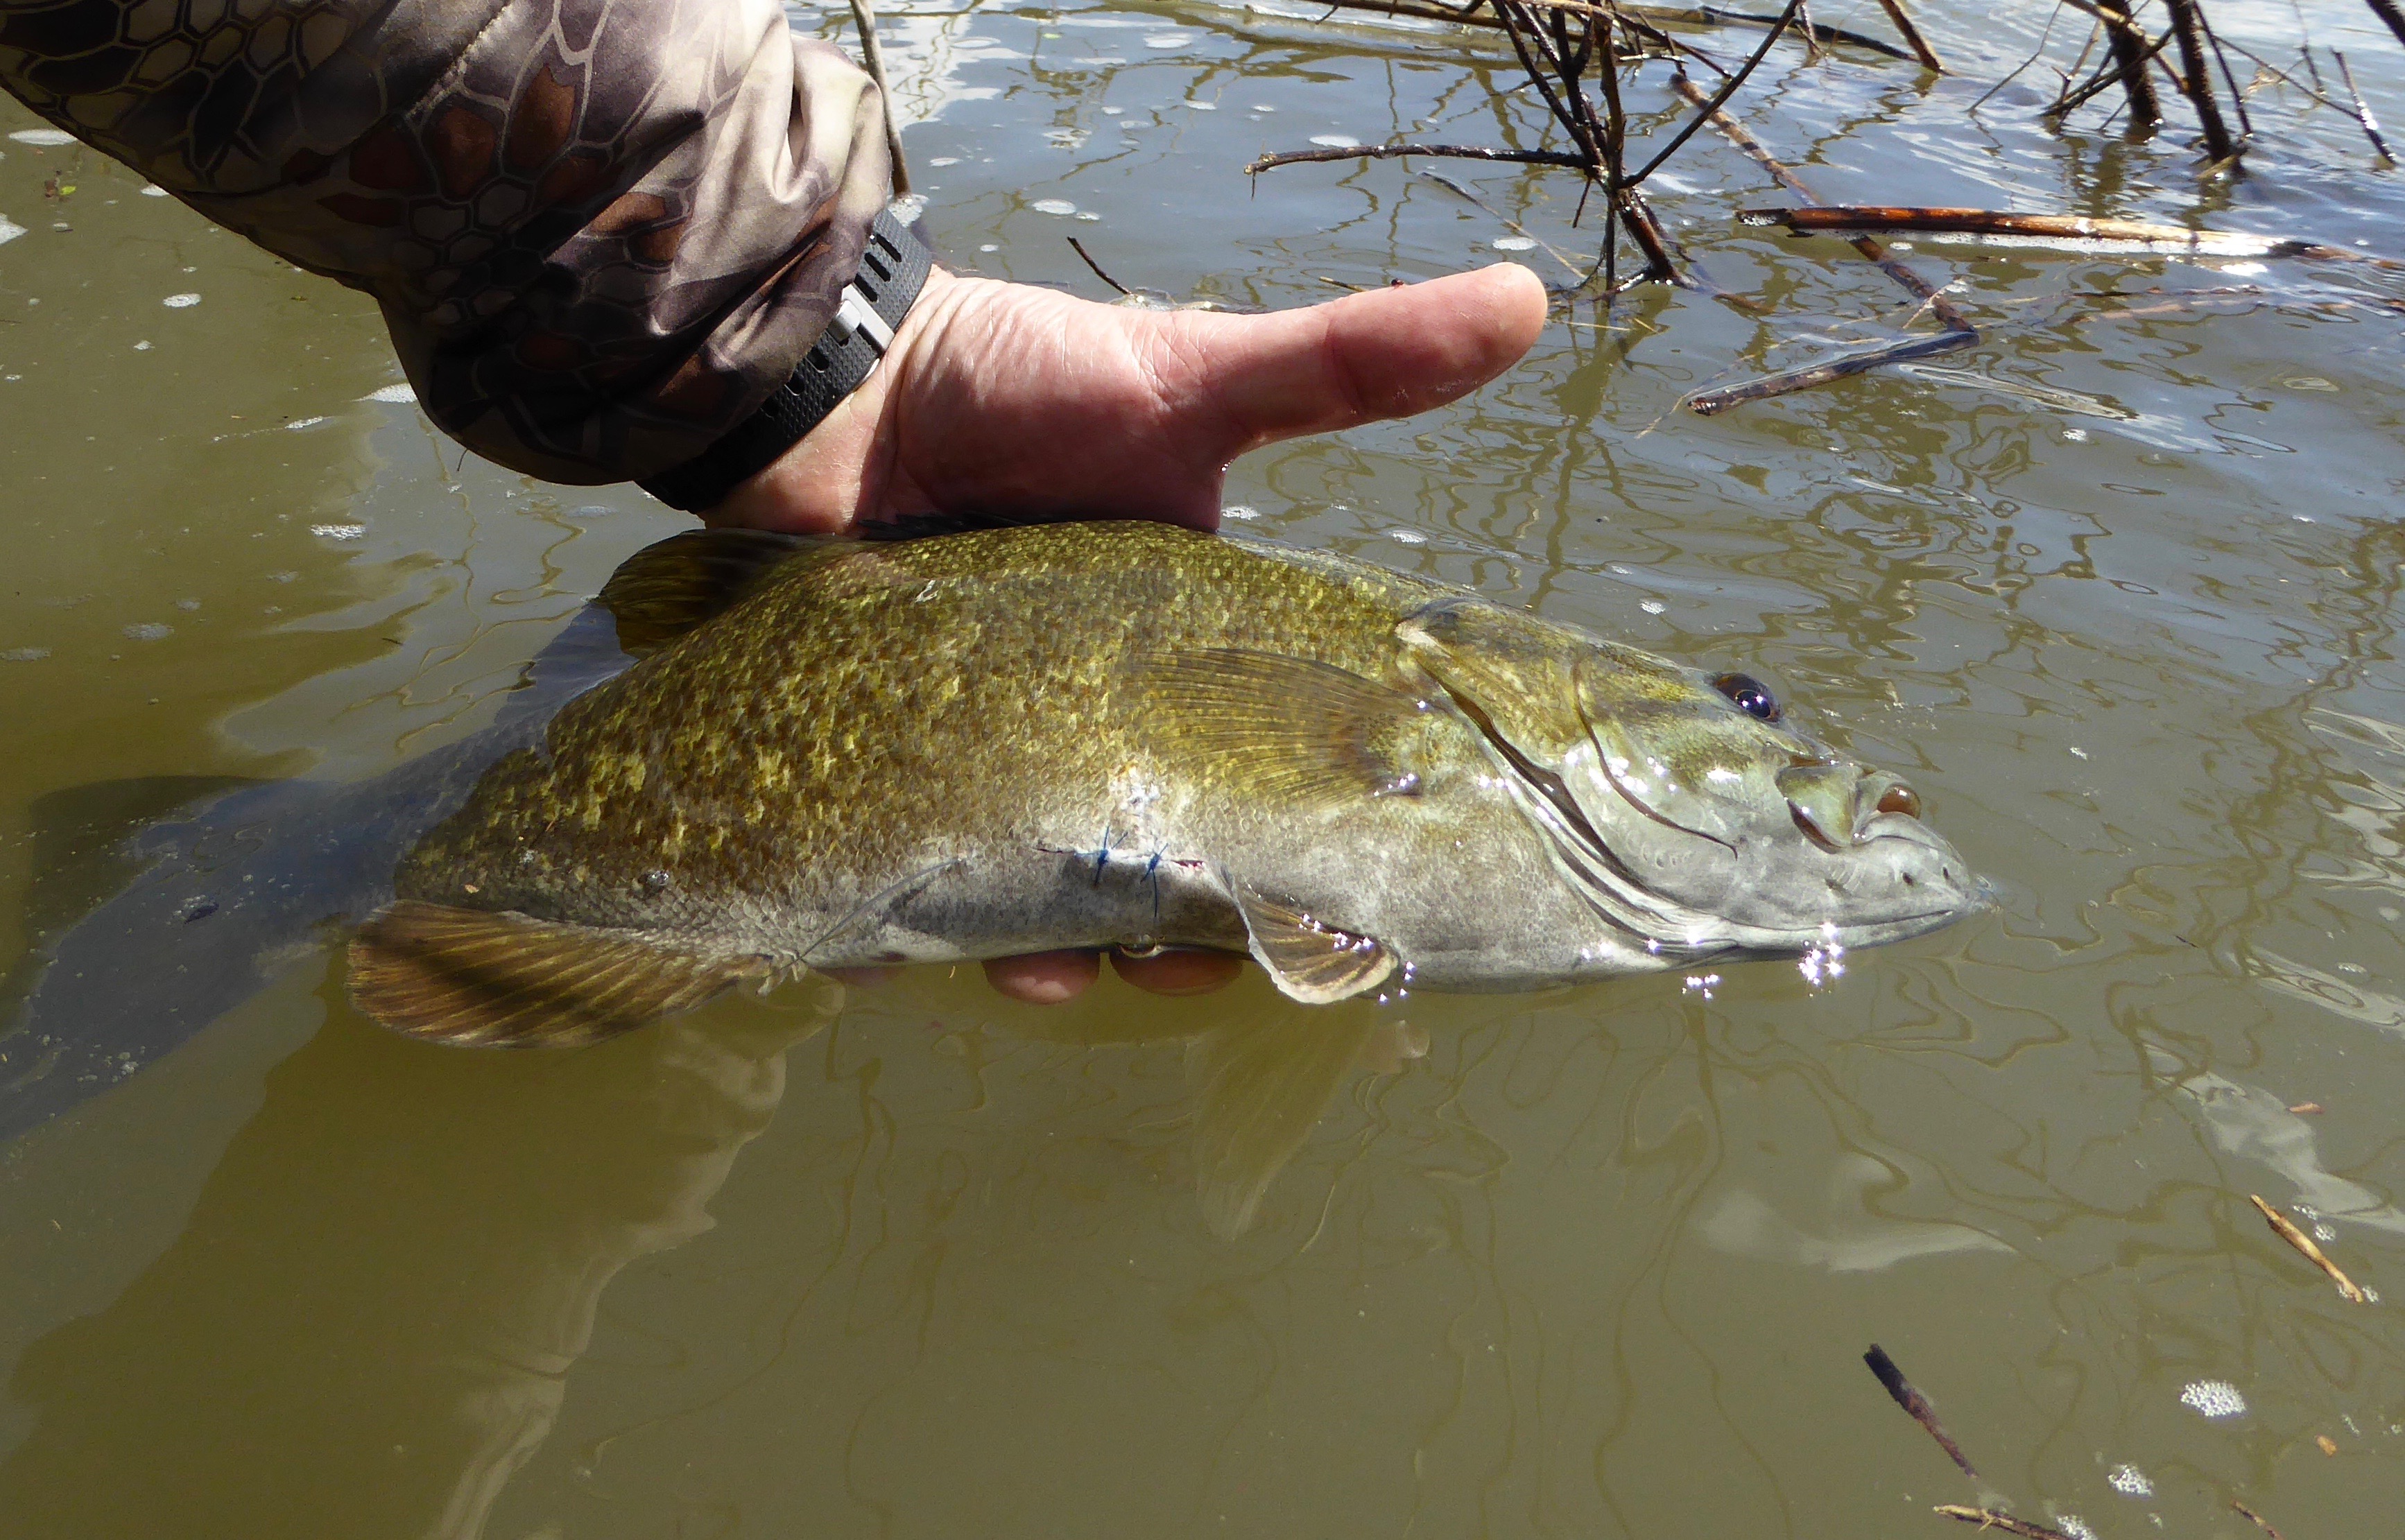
(1300, 729)
(665, 590)
(467, 976)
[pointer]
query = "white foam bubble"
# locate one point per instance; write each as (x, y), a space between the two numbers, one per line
(1515, 243)
(9, 230)
(338, 531)
(393, 395)
(1336, 141)
(149, 631)
(1059, 207)
(180, 302)
(2214, 1398)
(2130, 1481)
(43, 138)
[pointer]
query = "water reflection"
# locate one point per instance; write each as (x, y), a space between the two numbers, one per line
(370, 1318)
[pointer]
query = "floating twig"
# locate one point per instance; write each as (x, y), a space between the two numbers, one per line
(1988, 1518)
(2288, 1231)
(1390, 152)
(1917, 1405)
(2362, 108)
(2260, 1522)
(1084, 256)
(1711, 403)
(2007, 226)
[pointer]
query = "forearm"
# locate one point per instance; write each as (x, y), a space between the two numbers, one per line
(601, 231)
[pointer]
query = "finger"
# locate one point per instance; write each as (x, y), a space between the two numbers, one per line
(1385, 353)
(1178, 973)
(1044, 978)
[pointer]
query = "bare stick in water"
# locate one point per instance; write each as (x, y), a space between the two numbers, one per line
(1912, 38)
(2002, 226)
(1988, 1518)
(1390, 152)
(2288, 1232)
(2362, 108)
(2196, 81)
(2260, 1522)
(1084, 256)
(2130, 55)
(1917, 1405)
(2387, 11)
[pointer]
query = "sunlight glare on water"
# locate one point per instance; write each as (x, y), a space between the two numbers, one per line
(2116, 589)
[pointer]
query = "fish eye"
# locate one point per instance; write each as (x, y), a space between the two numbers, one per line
(1750, 696)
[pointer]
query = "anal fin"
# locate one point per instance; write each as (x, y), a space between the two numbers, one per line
(506, 980)
(1307, 960)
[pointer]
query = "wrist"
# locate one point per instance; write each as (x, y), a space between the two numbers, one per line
(819, 484)
(869, 308)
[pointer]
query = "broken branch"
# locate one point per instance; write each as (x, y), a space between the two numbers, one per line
(2288, 1231)
(1988, 1518)
(1917, 1405)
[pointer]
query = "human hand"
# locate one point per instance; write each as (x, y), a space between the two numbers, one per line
(1004, 399)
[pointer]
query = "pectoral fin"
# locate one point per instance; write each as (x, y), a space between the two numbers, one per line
(465, 977)
(665, 589)
(1288, 728)
(1310, 960)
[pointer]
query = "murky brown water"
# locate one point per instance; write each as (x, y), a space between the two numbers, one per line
(2120, 588)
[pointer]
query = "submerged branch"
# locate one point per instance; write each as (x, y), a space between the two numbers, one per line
(1711, 403)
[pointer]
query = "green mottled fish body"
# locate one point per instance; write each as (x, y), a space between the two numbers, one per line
(1020, 739)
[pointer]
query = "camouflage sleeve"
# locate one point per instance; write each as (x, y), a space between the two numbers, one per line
(601, 231)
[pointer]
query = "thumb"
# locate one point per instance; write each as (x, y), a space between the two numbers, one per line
(1384, 353)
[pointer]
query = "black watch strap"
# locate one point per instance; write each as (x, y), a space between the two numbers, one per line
(892, 268)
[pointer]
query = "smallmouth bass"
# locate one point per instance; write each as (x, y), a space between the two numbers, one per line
(838, 754)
